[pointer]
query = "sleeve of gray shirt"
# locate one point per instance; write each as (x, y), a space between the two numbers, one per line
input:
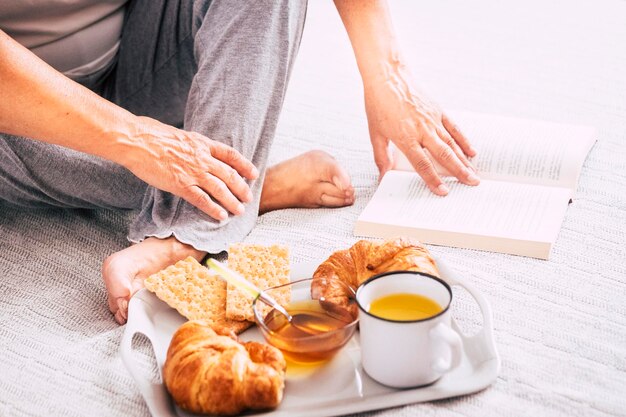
(76, 37)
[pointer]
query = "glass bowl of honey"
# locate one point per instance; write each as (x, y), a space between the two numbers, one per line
(324, 316)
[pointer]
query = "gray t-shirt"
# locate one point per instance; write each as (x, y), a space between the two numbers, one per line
(77, 37)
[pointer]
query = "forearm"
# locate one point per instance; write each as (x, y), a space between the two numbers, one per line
(369, 27)
(40, 103)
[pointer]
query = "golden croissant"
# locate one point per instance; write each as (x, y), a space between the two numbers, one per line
(210, 373)
(366, 259)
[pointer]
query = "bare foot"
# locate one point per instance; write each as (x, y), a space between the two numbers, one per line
(313, 179)
(124, 271)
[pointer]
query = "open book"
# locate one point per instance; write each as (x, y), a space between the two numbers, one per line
(529, 171)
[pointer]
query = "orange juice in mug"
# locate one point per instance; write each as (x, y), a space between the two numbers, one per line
(406, 338)
(404, 307)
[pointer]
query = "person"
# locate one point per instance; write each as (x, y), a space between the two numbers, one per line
(170, 107)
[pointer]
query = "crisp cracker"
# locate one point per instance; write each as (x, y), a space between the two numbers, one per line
(195, 292)
(265, 267)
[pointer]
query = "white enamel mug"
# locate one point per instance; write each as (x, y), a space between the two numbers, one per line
(404, 354)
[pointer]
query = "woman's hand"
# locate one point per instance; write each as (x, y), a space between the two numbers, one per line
(397, 111)
(40, 103)
(191, 166)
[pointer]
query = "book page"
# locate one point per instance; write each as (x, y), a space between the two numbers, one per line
(494, 208)
(523, 150)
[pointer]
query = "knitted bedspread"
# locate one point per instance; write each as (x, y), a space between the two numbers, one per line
(560, 325)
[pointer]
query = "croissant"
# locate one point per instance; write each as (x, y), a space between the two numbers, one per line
(366, 259)
(215, 374)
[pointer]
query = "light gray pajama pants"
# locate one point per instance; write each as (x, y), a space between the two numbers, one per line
(219, 68)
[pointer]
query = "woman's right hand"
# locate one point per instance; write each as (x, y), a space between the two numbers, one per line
(206, 173)
(40, 103)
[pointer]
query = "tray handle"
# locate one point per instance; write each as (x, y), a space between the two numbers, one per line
(155, 395)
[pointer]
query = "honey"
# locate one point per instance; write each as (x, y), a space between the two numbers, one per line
(317, 331)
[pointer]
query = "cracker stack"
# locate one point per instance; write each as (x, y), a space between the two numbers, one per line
(200, 294)
(195, 292)
(265, 267)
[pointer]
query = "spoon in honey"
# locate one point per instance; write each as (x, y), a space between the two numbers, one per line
(302, 321)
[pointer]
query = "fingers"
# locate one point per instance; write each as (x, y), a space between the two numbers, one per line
(220, 192)
(382, 154)
(448, 152)
(196, 196)
(424, 167)
(458, 136)
(233, 158)
(233, 181)
(447, 139)
(223, 189)
(450, 157)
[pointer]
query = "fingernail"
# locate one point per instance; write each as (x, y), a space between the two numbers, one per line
(240, 208)
(255, 172)
(248, 196)
(443, 189)
(471, 177)
(222, 215)
(472, 150)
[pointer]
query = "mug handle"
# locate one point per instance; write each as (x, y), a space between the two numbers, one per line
(482, 343)
(451, 338)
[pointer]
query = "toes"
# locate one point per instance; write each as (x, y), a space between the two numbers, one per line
(118, 271)
(122, 307)
(340, 177)
(117, 280)
(330, 196)
(113, 308)
(119, 308)
(314, 179)
(332, 201)
(349, 198)
(120, 318)
(330, 169)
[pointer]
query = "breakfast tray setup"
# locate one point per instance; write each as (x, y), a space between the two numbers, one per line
(340, 386)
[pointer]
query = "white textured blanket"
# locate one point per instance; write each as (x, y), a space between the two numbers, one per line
(560, 324)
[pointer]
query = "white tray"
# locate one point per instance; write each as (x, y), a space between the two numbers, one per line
(337, 388)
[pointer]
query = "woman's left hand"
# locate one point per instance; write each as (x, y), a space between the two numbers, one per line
(398, 112)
